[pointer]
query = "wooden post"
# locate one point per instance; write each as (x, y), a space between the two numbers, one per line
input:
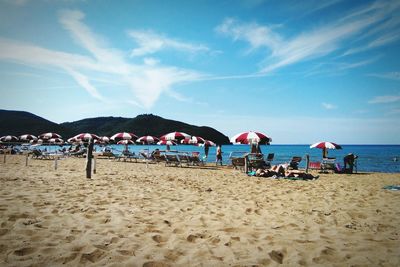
(94, 164)
(307, 162)
(89, 156)
(5, 152)
(246, 164)
(26, 160)
(55, 162)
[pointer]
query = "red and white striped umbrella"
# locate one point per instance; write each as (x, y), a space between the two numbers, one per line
(251, 138)
(125, 142)
(175, 136)
(8, 139)
(104, 139)
(36, 142)
(123, 136)
(47, 136)
(166, 142)
(73, 140)
(207, 142)
(27, 137)
(147, 139)
(326, 145)
(86, 137)
(194, 140)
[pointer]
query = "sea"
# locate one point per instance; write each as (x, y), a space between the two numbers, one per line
(371, 158)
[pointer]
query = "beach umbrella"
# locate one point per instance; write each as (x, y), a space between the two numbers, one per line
(36, 142)
(125, 142)
(104, 139)
(123, 136)
(193, 140)
(175, 136)
(147, 139)
(73, 140)
(27, 137)
(47, 136)
(207, 142)
(8, 139)
(167, 143)
(86, 137)
(55, 141)
(251, 138)
(324, 146)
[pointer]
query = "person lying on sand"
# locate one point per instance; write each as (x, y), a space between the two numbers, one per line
(282, 170)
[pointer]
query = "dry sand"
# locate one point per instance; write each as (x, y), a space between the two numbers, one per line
(133, 215)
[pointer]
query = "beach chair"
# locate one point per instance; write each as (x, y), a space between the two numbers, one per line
(294, 163)
(238, 159)
(255, 161)
(127, 155)
(328, 164)
(195, 159)
(184, 159)
(37, 154)
(172, 160)
(314, 165)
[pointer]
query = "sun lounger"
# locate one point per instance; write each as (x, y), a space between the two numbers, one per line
(172, 160)
(125, 156)
(37, 154)
(329, 164)
(183, 159)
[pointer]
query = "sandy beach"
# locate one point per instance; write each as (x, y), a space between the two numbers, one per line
(133, 214)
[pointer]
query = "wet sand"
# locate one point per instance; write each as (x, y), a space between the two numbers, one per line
(133, 214)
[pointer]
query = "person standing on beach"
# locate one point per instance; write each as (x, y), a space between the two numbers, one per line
(206, 149)
(218, 155)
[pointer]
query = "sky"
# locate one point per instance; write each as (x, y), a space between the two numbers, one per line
(298, 71)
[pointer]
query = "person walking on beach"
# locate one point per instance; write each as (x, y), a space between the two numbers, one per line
(218, 155)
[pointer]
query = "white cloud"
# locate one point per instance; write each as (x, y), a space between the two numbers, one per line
(328, 106)
(385, 99)
(318, 42)
(150, 43)
(106, 65)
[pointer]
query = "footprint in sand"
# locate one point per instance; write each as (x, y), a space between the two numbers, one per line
(94, 256)
(24, 251)
(155, 264)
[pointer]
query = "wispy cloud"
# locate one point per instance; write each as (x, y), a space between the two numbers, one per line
(389, 75)
(328, 106)
(150, 42)
(146, 81)
(385, 99)
(318, 42)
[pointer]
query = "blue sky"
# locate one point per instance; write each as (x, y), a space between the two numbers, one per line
(299, 71)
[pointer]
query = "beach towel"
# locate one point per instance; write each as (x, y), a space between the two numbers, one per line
(252, 173)
(392, 187)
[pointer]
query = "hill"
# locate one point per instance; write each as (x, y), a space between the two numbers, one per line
(21, 122)
(146, 124)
